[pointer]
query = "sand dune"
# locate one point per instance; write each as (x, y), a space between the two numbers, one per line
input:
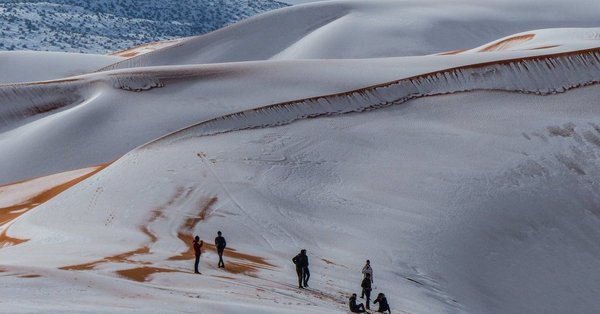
(37, 192)
(497, 75)
(314, 127)
(145, 48)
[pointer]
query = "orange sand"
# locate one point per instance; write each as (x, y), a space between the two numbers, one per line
(238, 263)
(507, 43)
(125, 257)
(10, 213)
(141, 273)
(135, 51)
(120, 258)
(185, 233)
(452, 52)
(544, 47)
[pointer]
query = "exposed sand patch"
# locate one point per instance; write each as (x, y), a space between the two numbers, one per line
(30, 276)
(10, 213)
(120, 258)
(452, 52)
(5, 240)
(145, 48)
(224, 277)
(507, 43)
(141, 274)
(125, 257)
(185, 232)
(236, 262)
(545, 47)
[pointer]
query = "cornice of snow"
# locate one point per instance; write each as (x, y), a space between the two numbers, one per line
(541, 75)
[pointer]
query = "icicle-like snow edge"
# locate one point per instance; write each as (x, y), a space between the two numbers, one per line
(542, 75)
(23, 100)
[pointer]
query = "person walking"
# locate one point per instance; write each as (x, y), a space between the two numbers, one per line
(197, 251)
(383, 304)
(354, 308)
(367, 270)
(366, 289)
(301, 262)
(220, 244)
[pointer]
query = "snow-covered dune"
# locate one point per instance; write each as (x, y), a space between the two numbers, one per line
(465, 169)
(39, 118)
(368, 29)
(445, 234)
(29, 66)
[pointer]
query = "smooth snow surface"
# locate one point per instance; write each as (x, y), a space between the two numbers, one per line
(465, 169)
(29, 66)
(368, 29)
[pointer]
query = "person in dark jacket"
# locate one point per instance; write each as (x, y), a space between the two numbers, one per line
(366, 289)
(197, 251)
(367, 270)
(383, 304)
(301, 262)
(220, 244)
(354, 308)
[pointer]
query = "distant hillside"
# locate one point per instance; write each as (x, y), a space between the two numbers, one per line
(103, 26)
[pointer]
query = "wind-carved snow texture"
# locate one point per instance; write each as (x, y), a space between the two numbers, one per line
(540, 75)
(25, 100)
(136, 83)
(21, 101)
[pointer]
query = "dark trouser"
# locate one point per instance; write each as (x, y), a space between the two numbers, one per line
(362, 295)
(196, 264)
(367, 293)
(305, 275)
(299, 273)
(220, 252)
(360, 308)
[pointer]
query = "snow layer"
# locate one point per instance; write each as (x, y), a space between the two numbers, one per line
(443, 234)
(107, 104)
(368, 29)
(42, 66)
(18, 193)
(539, 75)
(478, 195)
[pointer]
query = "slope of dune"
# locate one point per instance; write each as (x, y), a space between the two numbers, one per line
(368, 29)
(39, 118)
(549, 40)
(468, 178)
(29, 66)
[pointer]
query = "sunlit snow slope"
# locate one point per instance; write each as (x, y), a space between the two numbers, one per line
(467, 173)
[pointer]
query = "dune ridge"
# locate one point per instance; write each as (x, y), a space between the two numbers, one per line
(541, 75)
